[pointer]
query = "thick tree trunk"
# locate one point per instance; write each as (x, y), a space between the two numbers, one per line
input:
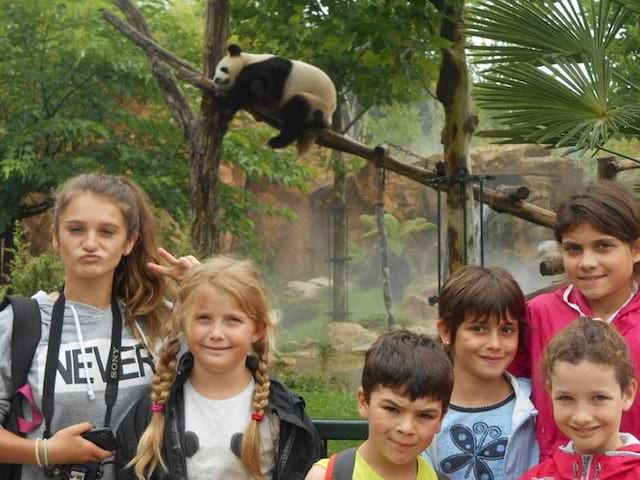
(205, 133)
(207, 142)
(460, 124)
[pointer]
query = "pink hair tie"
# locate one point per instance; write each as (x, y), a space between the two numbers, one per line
(157, 408)
(257, 416)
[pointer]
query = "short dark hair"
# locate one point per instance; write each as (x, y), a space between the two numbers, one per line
(592, 340)
(409, 363)
(606, 205)
(481, 292)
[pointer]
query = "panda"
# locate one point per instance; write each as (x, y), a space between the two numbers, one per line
(302, 95)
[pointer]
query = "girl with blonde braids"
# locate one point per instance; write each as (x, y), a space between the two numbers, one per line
(216, 413)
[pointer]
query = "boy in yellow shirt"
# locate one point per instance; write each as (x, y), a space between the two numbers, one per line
(406, 386)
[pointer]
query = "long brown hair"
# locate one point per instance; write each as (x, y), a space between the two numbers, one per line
(240, 280)
(142, 291)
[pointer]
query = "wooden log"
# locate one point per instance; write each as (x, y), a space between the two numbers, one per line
(609, 167)
(515, 193)
(551, 264)
(624, 165)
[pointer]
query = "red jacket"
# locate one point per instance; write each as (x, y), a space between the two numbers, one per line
(621, 464)
(546, 315)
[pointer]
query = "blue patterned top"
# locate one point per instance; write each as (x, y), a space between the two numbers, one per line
(473, 441)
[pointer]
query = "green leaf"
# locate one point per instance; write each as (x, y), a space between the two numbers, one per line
(551, 81)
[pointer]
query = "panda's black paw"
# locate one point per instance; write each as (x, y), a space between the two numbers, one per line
(279, 142)
(317, 120)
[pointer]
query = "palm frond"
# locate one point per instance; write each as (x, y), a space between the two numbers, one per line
(633, 5)
(528, 31)
(558, 105)
(549, 77)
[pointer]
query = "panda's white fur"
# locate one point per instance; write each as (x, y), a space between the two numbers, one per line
(303, 80)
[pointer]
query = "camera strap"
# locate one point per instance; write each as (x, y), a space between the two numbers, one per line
(51, 366)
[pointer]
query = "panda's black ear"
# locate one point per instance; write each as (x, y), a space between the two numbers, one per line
(234, 50)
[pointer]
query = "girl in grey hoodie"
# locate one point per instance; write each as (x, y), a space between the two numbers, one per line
(103, 231)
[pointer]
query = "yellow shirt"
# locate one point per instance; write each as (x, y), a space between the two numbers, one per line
(362, 470)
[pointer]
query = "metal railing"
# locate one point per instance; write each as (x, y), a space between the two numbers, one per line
(340, 430)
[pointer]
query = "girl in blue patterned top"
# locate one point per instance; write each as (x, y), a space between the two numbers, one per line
(488, 432)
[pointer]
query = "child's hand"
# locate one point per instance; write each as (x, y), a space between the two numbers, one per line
(177, 268)
(68, 447)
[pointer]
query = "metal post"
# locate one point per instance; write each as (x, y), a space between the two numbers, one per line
(439, 242)
(481, 222)
(463, 184)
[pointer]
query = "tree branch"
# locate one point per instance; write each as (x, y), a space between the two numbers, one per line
(355, 119)
(173, 95)
(143, 41)
(33, 210)
(75, 88)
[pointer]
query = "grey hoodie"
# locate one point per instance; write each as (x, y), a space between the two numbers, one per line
(72, 392)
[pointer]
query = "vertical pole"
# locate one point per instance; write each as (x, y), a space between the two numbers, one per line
(465, 213)
(481, 222)
(439, 242)
(607, 168)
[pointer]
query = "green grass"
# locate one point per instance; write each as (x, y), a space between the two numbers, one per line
(325, 399)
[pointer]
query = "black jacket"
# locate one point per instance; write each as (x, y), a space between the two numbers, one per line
(299, 443)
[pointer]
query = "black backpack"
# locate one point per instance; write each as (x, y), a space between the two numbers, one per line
(341, 466)
(24, 341)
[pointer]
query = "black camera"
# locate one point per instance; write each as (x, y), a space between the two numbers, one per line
(90, 471)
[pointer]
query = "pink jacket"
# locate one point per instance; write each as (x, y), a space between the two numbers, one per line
(621, 464)
(546, 315)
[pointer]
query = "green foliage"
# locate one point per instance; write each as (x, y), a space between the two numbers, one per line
(76, 97)
(415, 127)
(327, 353)
(325, 398)
(398, 233)
(32, 273)
(245, 148)
(355, 41)
(554, 78)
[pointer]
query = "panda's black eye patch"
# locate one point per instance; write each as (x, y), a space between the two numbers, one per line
(224, 70)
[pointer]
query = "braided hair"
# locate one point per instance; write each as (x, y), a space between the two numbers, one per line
(240, 281)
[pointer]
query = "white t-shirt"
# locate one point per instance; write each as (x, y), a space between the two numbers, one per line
(215, 422)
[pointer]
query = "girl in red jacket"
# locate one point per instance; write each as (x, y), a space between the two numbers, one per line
(590, 378)
(599, 230)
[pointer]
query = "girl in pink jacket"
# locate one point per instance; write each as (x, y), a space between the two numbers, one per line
(599, 230)
(591, 381)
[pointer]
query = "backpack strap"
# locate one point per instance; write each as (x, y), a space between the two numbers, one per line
(341, 465)
(25, 337)
(328, 475)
